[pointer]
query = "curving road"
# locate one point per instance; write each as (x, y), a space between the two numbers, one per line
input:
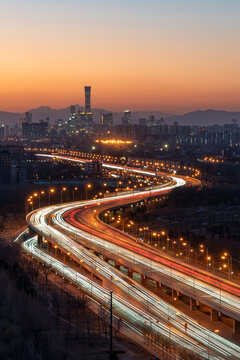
(77, 227)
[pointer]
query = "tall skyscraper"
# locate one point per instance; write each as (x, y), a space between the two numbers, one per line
(87, 99)
(72, 119)
(126, 120)
(88, 112)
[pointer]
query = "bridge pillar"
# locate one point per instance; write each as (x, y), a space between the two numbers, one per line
(159, 287)
(55, 249)
(175, 295)
(49, 246)
(117, 266)
(143, 280)
(193, 305)
(236, 326)
(213, 315)
(130, 273)
(40, 240)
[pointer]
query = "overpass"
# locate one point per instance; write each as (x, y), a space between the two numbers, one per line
(74, 231)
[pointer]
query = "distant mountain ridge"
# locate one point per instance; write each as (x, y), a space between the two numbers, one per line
(199, 117)
(206, 117)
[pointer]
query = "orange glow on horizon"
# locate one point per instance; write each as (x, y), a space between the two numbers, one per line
(131, 59)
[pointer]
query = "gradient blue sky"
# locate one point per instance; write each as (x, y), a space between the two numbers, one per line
(174, 55)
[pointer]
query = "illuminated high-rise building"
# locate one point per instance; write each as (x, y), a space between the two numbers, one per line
(88, 112)
(72, 119)
(126, 120)
(87, 99)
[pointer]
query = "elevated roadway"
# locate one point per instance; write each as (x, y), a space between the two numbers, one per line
(75, 228)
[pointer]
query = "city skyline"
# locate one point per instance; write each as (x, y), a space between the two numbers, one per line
(175, 57)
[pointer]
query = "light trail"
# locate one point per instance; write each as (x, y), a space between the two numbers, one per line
(139, 318)
(39, 218)
(212, 345)
(196, 284)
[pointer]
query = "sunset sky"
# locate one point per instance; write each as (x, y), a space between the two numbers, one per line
(168, 55)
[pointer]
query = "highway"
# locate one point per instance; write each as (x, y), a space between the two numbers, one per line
(78, 223)
(210, 289)
(133, 317)
(214, 291)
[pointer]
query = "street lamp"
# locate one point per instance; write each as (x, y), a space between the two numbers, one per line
(73, 192)
(208, 259)
(88, 187)
(35, 195)
(103, 185)
(185, 244)
(27, 203)
(39, 198)
(63, 189)
(51, 191)
(228, 266)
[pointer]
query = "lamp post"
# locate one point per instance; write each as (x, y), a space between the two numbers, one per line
(27, 203)
(73, 192)
(228, 257)
(88, 187)
(39, 198)
(103, 186)
(185, 244)
(63, 189)
(36, 195)
(51, 191)
(208, 259)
